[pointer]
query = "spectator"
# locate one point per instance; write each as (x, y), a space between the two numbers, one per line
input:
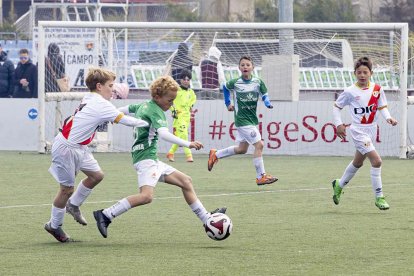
(212, 74)
(55, 68)
(6, 75)
(25, 77)
(181, 60)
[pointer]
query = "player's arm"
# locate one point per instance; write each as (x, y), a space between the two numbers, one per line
(130, 121)
(387, 116)
(340, 126)
(265, 97)
(125, 110)
(227, 102)
(169, 137)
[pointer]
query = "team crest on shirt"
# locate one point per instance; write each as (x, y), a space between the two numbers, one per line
(375, 94)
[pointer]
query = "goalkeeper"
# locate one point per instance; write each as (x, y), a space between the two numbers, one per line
(182, 113)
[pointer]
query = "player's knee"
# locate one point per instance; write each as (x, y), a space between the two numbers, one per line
(66, 192)
(240, 150)
(97, 177)
(259, 145)
(147, 198)
(377, 163)
(187, 183)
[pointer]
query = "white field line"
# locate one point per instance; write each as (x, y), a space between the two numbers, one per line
(212, 195)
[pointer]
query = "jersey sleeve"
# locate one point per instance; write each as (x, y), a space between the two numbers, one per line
(133, 108)
(230, 84)
(109, 113)
(156, 117)
(343, 99)
(193, 98)
(382, 101)
(262, 87)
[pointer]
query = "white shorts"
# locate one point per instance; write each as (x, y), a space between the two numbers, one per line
(249, 134)
(150, 172)
(363, 138)
(68, 160)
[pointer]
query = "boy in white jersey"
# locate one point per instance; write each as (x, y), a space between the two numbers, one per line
(149, 169)
(364, 99)
(247, 90)
(70, 153)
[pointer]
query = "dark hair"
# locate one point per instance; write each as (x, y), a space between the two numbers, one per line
(23, 51)
(247, 58)
(185, 74)
(363, 61)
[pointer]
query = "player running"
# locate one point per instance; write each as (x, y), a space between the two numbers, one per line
(246, 93)
(149, 169)
(364, 98)
(70, 152)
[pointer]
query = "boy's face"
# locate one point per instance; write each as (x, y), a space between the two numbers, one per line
(363, 74)
(24, 58)
(105, 90)
(246, 68)
(185, 82)
(166, 101)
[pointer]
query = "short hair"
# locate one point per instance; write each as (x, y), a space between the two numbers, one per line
(247, 58)
(23, 51)
(98, 75)
(363, 61)
(185, 73)
(162, 85)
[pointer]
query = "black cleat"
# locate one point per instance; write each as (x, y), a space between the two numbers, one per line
(221, 210)
(102, 222)
(57, 233)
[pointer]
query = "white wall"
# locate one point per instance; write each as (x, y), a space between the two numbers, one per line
(17, 130)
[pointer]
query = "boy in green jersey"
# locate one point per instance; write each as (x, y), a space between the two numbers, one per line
(246, 91)
(144, 155)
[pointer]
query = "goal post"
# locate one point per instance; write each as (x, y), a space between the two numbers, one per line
(325, 52)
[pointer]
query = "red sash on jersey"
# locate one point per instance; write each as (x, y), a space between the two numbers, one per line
(373, 101)
(67, 127)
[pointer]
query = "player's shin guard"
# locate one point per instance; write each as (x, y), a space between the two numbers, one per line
(376, 182)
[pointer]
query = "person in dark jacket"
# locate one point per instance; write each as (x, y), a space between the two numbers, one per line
(25, 77)
(181, 60)
(6, 75)
(55, 68)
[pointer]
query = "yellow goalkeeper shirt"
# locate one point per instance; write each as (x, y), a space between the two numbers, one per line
(185, 99)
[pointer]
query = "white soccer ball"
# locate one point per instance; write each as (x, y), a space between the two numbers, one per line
(218, 227)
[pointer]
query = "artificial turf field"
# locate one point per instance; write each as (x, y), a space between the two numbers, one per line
(289, 228)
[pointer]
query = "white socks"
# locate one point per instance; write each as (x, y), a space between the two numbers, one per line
(225, 152)
(349, 172)
(117, 209)
(376, 181)
(259, 165)
(56, 218)
(200, 211)
(80, 195)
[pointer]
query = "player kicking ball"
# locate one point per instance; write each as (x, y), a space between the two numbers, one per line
(364, 98)
(70, 152)
(246, 90)
(149, 169)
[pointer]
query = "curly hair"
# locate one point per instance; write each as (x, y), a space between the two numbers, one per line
(163, 85)
(98, 75)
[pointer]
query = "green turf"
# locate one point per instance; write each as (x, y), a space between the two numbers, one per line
(289, 228)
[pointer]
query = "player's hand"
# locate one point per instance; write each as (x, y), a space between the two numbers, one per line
(341, 131)
(392, 121)
(196, 145)
(230, 107)
(269, 106)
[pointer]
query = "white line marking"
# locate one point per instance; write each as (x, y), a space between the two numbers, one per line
(213, 195)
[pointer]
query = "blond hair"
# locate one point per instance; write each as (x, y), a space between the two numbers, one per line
(98, 75)
(163, 85)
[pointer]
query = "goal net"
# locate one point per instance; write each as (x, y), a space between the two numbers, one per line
(305, 67)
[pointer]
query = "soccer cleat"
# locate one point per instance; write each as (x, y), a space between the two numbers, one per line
(212, 159)
(57, 233)
(190, 159)
(170, 157)
(102, 222)
(221, 210)
(265, 179)
(337, 191)
(381, 203)
(76, 213)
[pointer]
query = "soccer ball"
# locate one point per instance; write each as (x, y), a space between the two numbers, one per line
(218, 227)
